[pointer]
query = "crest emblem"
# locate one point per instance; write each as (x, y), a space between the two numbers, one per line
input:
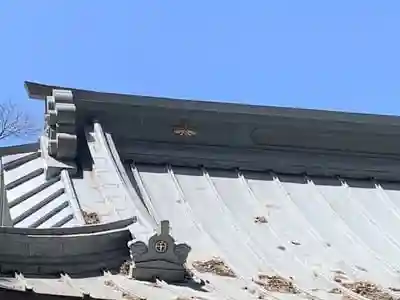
(161, 246)
(184, 130)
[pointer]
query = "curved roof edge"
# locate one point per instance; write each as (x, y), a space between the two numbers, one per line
(65, 231)
(71, 250)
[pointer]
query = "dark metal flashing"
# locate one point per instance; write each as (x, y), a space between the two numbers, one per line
(68, 231)
(223, 135)
(17, 149)
(74, 254)
(11, 294)
(318, 164)
(41, 91)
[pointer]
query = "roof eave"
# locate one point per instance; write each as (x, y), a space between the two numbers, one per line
(41, 91)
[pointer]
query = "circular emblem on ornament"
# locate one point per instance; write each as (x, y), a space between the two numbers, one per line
(161, 246)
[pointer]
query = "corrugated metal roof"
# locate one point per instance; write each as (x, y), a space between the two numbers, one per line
(314, 229)
(311, 230)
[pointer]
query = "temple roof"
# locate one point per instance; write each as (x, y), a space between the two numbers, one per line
(272, 202)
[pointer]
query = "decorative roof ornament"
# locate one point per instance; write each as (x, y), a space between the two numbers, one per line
(60, 125)
(160, 259)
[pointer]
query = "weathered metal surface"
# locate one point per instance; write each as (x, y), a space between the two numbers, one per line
(311, 231)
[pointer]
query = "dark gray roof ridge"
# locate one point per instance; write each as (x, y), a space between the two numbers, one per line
(41, 91)
(21, 148)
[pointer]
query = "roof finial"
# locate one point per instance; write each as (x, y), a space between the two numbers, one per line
(164, 227)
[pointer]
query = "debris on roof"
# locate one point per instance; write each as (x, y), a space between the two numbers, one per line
(260, 220)
(125, 268)
(91, 217)
(215, 265)
(366, 289)
(275, 283)
(126, 295)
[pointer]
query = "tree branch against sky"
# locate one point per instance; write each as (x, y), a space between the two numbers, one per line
(15, 122)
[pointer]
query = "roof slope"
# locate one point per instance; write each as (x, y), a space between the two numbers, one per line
(34, 200)
(314, 231)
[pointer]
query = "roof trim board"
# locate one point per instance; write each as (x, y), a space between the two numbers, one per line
(17, 149)
(41, 91)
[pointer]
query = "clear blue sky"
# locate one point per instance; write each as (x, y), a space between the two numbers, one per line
(341, 55)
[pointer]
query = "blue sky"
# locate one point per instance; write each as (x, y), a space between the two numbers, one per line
(340, 55)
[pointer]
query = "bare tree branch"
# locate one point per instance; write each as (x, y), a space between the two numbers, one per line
(15, 122)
